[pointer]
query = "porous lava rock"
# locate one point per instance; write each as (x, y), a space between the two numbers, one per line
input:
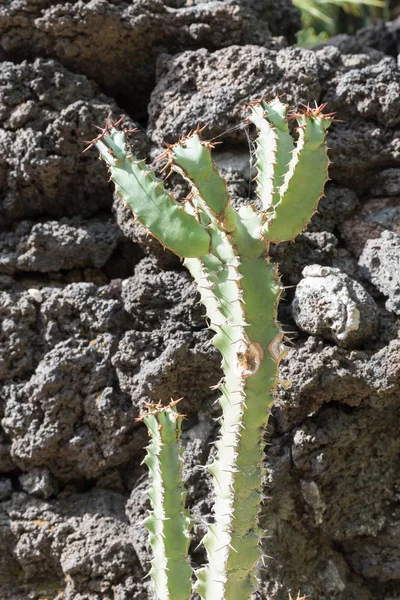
(97, 319)
(46, 113)
(116, 43)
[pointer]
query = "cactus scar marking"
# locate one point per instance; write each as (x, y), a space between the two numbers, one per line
(249, 358)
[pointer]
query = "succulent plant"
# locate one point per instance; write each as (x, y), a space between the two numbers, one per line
(227, 253)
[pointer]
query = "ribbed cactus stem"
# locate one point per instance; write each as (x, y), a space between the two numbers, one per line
(274, 148)
(226, 252)
(244, 335)
(169, 524)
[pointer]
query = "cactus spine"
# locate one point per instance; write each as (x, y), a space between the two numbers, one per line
(226, 252)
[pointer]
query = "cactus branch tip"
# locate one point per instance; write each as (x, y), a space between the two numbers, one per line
(109, 125)
(312, 112)
(154, 408)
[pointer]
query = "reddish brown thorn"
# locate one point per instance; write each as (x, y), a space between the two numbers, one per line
(307, 111)
(256, 102)
(165, 167)
(199, 129)
(210, 144)
(92, 142)
(294, 115)
(162, 156)
(155, 408)
(118, 122)
(101, 135)
(129, 131)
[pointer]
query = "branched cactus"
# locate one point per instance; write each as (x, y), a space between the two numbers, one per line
(226, 251)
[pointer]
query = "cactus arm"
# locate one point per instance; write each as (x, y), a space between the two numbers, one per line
(304, 180)
(274, 147)
(151, 204)
(169, 523)
(191, 158)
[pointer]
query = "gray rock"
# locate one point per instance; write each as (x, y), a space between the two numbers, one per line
(387, 183)
(212, 88)
(118, 42)
(339, 411)
(5, 489)
(17, 336)
(283, 17)
(57, 245)
(380, 264)
(46, 112)
(334, 208)
(367, 223)
(310, 247)
(372, 91)
(39, 482)
(68, 416)
(382, 36)
(367, 98)
(169, 331)
(77, 545)
(315, 373)
(35, 320)
(330, 304)
(80, 357)
(79, 310)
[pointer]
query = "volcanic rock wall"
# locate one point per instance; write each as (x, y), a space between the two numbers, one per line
(96, 319)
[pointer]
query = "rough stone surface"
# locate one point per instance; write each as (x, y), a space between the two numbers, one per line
(116, 43)
(169, 331)
(5, 489)
(39, 482)
(57, 245)
(96, 319)
(66, 549)
(329, 304)
(381, 36)
(46, 112)
(212, 87)
(380, 264)
(374, 217)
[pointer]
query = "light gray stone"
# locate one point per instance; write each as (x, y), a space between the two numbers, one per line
(330, 304)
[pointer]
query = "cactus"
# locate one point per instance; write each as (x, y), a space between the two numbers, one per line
(226, 251)
(169, 523)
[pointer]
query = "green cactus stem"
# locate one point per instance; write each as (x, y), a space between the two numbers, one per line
(304, 180)
(169, 524)
(240, 289)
